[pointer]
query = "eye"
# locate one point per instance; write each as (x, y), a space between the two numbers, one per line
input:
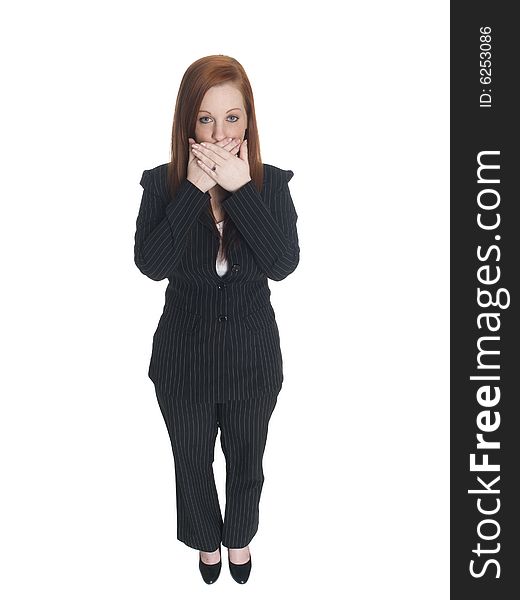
(230, 116)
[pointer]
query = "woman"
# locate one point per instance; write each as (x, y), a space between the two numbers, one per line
(218, 223)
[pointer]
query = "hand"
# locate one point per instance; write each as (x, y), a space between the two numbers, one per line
(198, 176)
(232, 172)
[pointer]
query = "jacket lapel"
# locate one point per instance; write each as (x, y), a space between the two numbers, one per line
(206, 218)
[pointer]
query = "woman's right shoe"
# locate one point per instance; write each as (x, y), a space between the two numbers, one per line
(210, 573)
(240, 573)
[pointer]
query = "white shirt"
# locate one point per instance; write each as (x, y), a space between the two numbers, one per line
(222, 264)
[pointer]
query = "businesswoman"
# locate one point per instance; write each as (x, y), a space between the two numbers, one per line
(217, 223)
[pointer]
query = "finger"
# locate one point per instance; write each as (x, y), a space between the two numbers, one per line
(243, 150)
(234, 143)
(234, 148)
(191, 153)
(192, 141)
(226, 143)
(207, 169)
(199, 154)
(214, 152)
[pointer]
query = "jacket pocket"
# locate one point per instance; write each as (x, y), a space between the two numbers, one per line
(180, 320)
(265, 342)
(260, 319)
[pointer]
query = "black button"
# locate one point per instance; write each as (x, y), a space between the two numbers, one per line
(235, 268)
(222, 317)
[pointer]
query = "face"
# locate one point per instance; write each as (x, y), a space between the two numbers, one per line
(222, 114)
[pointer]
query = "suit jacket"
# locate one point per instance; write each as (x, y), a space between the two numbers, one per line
(217, 339)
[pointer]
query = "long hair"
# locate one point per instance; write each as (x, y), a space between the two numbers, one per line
(200, 76)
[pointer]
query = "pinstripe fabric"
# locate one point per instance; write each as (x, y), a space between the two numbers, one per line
(216, 358)
(193, 430)
(217, 340)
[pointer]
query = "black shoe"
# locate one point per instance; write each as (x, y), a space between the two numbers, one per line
(210, 573)
(240, 573)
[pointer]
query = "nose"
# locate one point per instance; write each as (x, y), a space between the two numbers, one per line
(219, 132)
(219, 135)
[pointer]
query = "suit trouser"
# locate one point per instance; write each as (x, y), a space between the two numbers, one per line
(193, 431)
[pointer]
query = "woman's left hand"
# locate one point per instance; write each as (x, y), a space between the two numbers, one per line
(232, 171)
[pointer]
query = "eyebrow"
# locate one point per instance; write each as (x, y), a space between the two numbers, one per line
(226, 110)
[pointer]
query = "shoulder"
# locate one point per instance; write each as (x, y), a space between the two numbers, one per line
(154, 179)
(276, 192)
(275, 177)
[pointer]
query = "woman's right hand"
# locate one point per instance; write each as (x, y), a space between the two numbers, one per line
(196, 175)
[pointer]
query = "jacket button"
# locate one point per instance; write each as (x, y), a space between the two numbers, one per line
(222, 317)
(235, 268)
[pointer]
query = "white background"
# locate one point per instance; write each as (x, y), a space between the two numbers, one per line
(351, 96)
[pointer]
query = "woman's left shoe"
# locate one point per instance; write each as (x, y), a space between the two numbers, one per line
(240, 573)
(210, 573)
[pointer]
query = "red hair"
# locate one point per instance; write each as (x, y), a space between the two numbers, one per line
(200, 76)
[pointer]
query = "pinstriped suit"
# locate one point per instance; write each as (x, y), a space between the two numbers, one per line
(216, 357)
